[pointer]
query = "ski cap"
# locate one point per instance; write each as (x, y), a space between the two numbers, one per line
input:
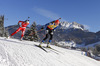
(27, 21)
(57, 22)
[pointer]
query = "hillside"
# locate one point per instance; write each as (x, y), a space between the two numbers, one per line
(24, 53)
(66, 32)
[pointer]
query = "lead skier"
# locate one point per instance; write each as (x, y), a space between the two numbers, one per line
(50, 28)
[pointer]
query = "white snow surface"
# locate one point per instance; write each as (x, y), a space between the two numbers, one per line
(14, 52)
(67, 43)
(93, 45)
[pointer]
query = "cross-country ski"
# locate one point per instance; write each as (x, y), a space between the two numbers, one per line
(41, 48)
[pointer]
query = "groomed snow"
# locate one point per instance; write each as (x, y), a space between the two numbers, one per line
(24, 53)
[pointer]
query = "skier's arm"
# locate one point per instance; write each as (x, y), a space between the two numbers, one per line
(44, 27)
(55, 28)
(20, 22)
(52, 22)
(49, 23)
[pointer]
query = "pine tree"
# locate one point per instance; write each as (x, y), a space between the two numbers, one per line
(6, 33)
(31, 34)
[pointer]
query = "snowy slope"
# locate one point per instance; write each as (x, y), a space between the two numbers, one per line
(93, 45)
(24, 53)
(67, 43)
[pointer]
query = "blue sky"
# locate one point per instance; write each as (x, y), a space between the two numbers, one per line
(85, 12)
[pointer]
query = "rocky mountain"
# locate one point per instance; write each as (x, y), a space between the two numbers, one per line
(67, 25)
(77, 35)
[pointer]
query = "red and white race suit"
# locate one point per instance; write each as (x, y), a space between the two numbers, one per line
(21, 28)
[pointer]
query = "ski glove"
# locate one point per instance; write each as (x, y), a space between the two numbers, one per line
(53, 22)
(42, 28)
(54, 30)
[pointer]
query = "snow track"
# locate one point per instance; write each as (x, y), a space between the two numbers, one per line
(23, 53)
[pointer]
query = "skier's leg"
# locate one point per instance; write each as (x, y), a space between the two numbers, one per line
(47, 31)
(23, 31)
(51, 36)
(44, 38)
(16, 31)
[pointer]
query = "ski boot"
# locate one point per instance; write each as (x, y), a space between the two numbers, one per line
(48, 46)
(40, 44)
(8, 37)
(21, 39)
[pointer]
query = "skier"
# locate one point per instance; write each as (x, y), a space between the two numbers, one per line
(50, 28)
(21, 28)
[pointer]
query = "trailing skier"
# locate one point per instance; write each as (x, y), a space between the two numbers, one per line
(50, 28)
(21, 28)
